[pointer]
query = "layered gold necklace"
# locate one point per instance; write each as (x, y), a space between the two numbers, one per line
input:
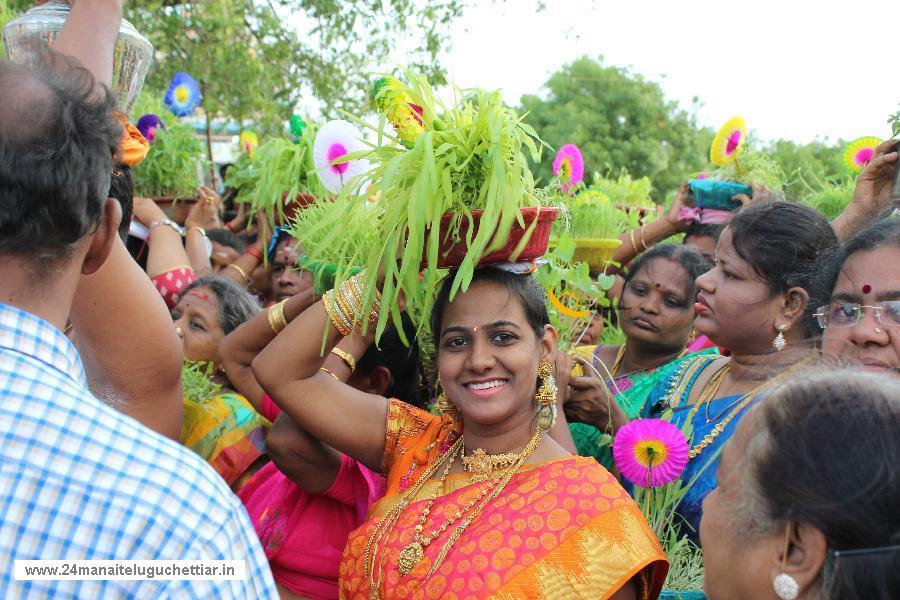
(413, 553)
(711, 389)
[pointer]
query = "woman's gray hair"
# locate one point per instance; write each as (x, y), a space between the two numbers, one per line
(824, 453)
(236, 305)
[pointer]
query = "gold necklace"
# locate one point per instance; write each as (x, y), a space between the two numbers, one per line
(414, 552)
(738, 405)
(387, 523)
(482, 465)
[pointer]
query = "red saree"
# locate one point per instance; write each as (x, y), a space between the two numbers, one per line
(561, 529)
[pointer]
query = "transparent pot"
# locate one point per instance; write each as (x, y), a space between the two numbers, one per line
(42, 23)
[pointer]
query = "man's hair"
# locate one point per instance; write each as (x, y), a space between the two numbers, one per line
(58, 139)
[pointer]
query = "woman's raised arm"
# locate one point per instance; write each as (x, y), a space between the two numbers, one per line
(240, 347)
(346, 419)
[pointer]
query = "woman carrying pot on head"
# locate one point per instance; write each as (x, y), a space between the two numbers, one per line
(861, 317)
(224, 429)
(476, 504)
(656, 314)
(809, 518)
(756, 302)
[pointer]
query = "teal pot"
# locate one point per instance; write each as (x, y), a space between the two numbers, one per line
(689, 595)
(709, 193)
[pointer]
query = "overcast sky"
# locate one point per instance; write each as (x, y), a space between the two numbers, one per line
(793, 69)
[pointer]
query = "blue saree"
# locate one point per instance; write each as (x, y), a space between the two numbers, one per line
(670, 400)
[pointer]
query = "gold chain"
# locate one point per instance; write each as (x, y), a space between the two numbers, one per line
(414, 552)
(739, 405)
(498, 489)
(386, 524)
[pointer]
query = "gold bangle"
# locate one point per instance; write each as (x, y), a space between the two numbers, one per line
(346, 357)
(643, 239)
(328, 303)
(324, 370)
(633, 245)
(375, 309)
(275, 314)
(347, 308)
(198, 229)
(242, 272)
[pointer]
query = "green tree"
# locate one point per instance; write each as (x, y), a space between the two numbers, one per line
(808, 167)
(253, 65)
(618, 119)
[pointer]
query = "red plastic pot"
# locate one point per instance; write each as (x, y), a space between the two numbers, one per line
(452, 250)
(176, 209)
(291, 209)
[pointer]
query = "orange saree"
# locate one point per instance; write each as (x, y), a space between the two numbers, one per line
(561, 529)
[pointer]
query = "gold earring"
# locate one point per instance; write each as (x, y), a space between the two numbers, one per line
(546, 397)
(443, 404)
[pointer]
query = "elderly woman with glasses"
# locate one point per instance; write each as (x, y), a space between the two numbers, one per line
(862, 317)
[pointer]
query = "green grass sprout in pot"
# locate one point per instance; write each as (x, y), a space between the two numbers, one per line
(243, 176)
(752, 166)
(572, 292)
(171, 167)
(286, 169)
(433, 160)
(196, 381)
(831, 197)
(331, 232)
(624, 189)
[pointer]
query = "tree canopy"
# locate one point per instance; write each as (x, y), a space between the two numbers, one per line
(617, 119)
(253, 64)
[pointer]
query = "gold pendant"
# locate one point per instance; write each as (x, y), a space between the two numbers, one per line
(410, 557)
(479, 465)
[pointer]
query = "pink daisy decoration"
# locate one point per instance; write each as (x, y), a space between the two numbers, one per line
(650, 452)
(569, 166)
(335, 140)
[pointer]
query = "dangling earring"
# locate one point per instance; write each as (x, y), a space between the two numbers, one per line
(780, 342)
(444, 405)
(786, 587)
(546, 397)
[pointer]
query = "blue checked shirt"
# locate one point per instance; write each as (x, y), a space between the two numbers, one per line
(79, 480)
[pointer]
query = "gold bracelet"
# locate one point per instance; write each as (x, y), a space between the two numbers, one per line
(633, 245)
(198, 229)
(347, 307)
(330, 308)
(346, 357)
(643, 239)
(277, 320)
(241, 271)
(324, 370)
(375, 309)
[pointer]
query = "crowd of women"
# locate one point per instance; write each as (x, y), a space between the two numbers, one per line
(772, 332)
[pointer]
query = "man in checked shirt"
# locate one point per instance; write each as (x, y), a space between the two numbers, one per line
(78, 479)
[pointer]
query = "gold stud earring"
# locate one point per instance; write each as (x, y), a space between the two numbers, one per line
(546, 397)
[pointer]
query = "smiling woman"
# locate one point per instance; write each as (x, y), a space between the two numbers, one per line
(479, 486)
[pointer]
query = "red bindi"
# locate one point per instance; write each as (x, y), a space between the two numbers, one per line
(866, 289)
